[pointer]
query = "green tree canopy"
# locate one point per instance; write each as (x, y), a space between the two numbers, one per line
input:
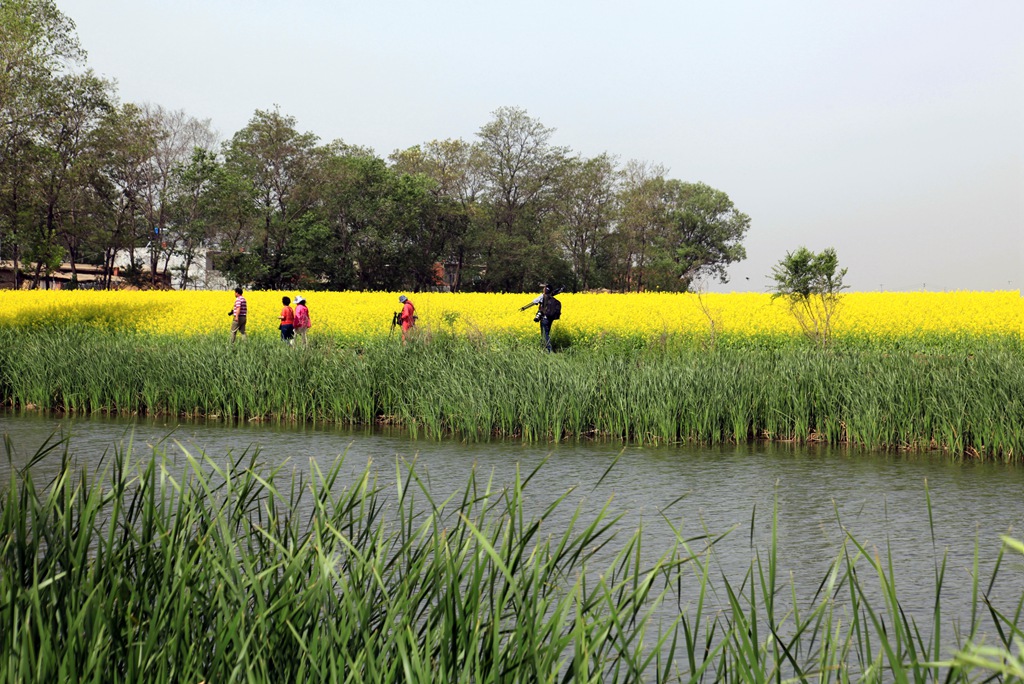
(699, 234)
(88, 179)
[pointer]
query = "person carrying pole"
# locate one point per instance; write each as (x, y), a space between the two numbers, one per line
(549, 310)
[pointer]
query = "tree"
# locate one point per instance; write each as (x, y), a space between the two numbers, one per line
(278, 163)
(699, 234)
(175, 135)
(630, 252)
(76, 105)
(124, 141)
(353, 225)
(455, 167)
(672, 234)
(36, 42)
(191, 209)
(425, 224)
(586, 210)
(521, 168)
(37, 45)
(811, 285)
(379, 228)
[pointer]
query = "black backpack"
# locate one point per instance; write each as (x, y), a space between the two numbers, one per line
(553, 309)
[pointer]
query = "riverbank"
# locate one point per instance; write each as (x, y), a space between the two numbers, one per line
(961, 395)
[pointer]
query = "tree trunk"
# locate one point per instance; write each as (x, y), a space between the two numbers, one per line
(73, 260)
(457, 280)
(108, 267)
(186, 267)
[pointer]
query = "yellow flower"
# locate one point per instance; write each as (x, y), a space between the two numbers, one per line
(584, 316)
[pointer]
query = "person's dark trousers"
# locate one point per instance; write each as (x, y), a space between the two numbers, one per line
(545, 331)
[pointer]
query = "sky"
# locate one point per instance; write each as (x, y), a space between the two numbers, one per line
(890, 130)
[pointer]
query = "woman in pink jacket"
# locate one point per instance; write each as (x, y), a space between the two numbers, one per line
(302, 322)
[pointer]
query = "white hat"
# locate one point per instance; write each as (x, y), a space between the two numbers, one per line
(299, 299)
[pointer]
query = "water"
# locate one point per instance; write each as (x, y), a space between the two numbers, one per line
(820, 493)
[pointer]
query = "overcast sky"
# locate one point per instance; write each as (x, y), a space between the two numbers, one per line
(890, 130)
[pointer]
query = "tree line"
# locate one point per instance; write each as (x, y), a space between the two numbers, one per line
(84, 178)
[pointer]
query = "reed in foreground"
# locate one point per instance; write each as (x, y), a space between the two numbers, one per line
(227, 571)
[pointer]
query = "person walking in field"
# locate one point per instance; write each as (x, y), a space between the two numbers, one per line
(302, 322)
(407, 317)
(287, 321)
(549, 310)
(238, 315)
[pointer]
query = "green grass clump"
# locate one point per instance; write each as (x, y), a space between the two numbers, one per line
(966, 400)
(229, 571)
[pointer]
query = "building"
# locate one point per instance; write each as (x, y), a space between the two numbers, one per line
(201, 273)
(84, 276)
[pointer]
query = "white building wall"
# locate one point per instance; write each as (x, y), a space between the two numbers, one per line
(202, 275)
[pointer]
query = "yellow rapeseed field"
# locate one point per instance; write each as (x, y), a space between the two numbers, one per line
(584, 316)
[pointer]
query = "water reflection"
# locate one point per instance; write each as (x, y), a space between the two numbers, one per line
(819, 492)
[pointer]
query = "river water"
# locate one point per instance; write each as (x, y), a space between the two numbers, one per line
(820, 493)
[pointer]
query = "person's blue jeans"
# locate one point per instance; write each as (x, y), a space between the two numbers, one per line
(545, 331)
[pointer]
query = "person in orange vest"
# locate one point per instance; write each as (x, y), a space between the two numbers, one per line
(407, 317)
(287, 318)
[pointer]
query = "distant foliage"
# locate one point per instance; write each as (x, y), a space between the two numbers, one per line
(85, 179)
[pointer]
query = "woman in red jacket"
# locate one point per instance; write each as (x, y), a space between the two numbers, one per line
(407, 317)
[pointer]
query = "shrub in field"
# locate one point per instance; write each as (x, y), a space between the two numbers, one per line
(811, 284)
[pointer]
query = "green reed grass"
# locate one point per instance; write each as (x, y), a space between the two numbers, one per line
(222, 570)
(966, 398)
